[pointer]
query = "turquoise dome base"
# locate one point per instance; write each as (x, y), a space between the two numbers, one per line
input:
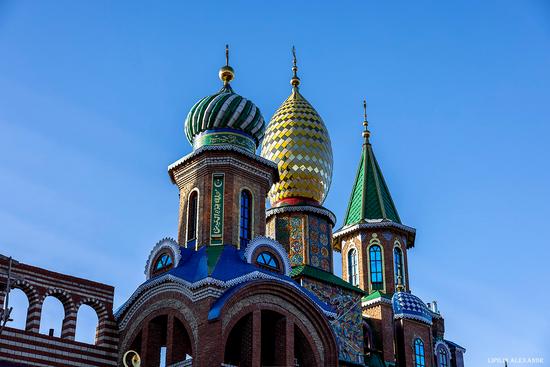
(225, 137)
(232, 118)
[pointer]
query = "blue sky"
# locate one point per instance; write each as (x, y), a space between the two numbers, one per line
(93, 96)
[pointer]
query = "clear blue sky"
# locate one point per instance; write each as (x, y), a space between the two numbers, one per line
(93, 96)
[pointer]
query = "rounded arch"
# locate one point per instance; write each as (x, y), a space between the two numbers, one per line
(373, 264)
(261, 241)
(19, 303)
(398, 264)
(86, 325)
(353, 266)
(168, 245)
(28, 289)
(192, 217)
(246, 215)
(440, 346)
(158, 301)
(63, 296)
(52, 316)
(96, 305)
(284, 300)
(419, 352)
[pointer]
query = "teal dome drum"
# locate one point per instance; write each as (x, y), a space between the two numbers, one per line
(225, 118)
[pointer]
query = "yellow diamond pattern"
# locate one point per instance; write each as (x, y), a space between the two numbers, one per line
(298, 141)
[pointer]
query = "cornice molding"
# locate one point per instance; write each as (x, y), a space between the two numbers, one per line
(301, 208)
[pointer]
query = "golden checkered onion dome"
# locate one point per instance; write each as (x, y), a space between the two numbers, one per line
(297, 140)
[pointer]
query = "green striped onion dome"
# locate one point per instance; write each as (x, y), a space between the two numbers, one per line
(225, 118)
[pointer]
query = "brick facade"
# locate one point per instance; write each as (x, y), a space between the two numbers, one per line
(42, 350)
(240, 172)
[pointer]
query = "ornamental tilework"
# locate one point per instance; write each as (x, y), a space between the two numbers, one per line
(297, 140)
(320, 253)
(290, 230)
(348, 324)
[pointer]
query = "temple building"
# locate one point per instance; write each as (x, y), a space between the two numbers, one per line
(249, 281)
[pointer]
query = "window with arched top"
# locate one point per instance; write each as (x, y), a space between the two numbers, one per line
(376, 268)
(192, 206)
(245, 228)
(267, 260)
(443, 358)
(419, 356)
(398, 266)
(163, 262)
(353, 274)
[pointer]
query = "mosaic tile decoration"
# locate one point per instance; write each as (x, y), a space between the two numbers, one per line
(290, 231)
(297, 140)
(348, 328)
(320, 253)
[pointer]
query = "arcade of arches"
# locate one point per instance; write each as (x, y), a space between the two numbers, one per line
(259, 338)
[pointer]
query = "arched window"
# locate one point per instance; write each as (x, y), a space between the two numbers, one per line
(353, 276)
(51, 318)
(86, 325)
(192, 207)
(376, 271)
(398, 266)
(443, 358)
(267, 260)
(163, 263)
(19, 303)
(419, 358)
(246, 218)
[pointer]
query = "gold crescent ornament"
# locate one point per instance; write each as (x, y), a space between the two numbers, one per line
(136, 359)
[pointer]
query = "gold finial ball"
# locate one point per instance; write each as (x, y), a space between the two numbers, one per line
(226, 73)
(295, 81)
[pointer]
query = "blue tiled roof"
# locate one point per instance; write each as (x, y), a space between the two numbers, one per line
(226, 263)
(408, 306)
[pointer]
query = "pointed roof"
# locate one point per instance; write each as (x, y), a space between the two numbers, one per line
(370, 197)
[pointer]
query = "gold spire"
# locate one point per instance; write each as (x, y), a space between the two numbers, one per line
(226, 73)
(366, 132)
(295, 81)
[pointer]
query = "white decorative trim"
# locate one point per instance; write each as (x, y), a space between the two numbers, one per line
(233, 162)
(231, 148)
(165, 243)
(271, 243)
(441, 343)
(301, 208)
(411, 317)
(216, 288)
(373, 224)
(376, 301)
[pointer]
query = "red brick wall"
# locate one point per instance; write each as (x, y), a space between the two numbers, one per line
(407, 331)
(240, 172)
(37, 284)
(361, 240)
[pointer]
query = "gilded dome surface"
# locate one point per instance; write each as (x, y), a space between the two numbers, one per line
(297, 140)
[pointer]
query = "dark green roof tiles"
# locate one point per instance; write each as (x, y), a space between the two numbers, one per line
(370, 197)
(325, 276)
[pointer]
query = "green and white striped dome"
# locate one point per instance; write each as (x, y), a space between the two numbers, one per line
(225, 118)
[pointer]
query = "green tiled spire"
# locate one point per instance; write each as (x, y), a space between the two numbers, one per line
(370, 197)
